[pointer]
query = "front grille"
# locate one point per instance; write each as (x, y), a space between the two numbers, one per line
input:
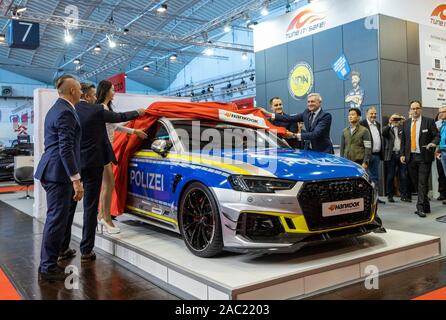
(259, 226)
(313, 194)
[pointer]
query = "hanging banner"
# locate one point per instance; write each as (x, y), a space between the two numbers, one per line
(118, 82)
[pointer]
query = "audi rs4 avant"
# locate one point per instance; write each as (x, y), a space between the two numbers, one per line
(225, 186)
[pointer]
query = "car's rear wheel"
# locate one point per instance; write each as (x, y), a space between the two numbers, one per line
(199, 221)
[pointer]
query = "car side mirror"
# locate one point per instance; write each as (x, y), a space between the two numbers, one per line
(161, 147)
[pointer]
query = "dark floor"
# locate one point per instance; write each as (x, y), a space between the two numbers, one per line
(20, 239)
(21, 235)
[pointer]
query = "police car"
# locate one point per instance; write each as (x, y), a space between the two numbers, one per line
(226, 186)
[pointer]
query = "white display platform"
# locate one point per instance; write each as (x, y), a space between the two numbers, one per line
(164, 257)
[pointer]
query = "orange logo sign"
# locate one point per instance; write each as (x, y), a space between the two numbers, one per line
(228, 114)
(332, 207)
(304, 18)
(440, 12)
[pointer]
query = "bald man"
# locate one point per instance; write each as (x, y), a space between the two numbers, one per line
(59, 173)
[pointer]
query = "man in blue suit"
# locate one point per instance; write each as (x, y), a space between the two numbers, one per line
(59, 172)
(96, 151)
(317, 124)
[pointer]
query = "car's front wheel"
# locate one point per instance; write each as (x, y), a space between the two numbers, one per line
(199, 221)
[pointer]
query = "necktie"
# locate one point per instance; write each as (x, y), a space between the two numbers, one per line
(311, 118)
(413, 136)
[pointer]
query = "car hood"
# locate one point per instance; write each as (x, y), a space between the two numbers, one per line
(297, 164)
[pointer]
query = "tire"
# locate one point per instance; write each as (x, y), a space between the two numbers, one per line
(199, 221)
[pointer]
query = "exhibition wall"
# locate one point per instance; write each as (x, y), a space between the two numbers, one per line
(355, 40)
(400, 55)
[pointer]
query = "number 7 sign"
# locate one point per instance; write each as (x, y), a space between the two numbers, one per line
(23, 35)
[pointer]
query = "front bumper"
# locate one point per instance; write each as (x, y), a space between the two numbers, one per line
(277, 223)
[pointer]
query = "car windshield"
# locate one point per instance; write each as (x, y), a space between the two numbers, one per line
(206, 135)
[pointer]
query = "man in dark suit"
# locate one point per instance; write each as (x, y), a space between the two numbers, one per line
(392, 135)
(374, 128)
(96, 151)
(419, 139)
(276, 105)
(59, 172)
(317, 124)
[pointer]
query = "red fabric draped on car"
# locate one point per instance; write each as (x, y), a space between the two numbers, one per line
(126, 145)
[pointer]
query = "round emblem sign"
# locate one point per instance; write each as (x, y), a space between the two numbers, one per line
(300, 81)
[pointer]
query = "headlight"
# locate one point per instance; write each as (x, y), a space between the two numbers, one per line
(259, 184)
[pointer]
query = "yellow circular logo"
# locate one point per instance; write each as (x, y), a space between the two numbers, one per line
(300, 81)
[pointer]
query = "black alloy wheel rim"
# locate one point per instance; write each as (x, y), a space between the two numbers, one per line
(198, 220)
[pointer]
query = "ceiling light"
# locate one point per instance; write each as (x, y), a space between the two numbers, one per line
(227, 28)
(245, 56)
(264, 11)
(20, 9)
(162, 8)
(111, 43)
(146, 68)
(68, 36)
(76, 61)
(211, 88)
(97, 48)
(209, 52)
(173, 57)
(251, 24)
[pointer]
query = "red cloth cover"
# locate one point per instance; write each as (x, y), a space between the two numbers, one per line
(126, 145)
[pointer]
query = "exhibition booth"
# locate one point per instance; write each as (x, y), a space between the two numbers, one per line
(314, 49)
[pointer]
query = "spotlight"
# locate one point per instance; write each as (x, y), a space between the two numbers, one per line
(288, 8)
(126, 76)
(146, 68)
(68, 37)
(264, 11)
(173, 57)
(203, 91)
(76, 61)
(2, 38)
(18, 9)
(162, 8)
(245, 56)
(243, 82)
(211, 88)
(252, 77)
(97, 48)
(126, 31)
(252, 24)
(111, 43)
(247, 18)
(229, 85)
(192, 94)
(227, 28)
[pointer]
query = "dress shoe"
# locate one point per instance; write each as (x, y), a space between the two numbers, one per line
(404, 199)
(67, 254)
(421, 214)
(390, 199)
(55, 275)
(88, 257)
(380, 201)
(441, 198)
